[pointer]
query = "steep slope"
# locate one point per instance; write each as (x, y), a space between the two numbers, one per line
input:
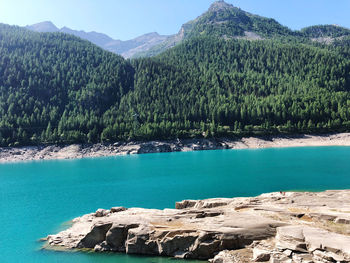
(125, 48)
(54, 85)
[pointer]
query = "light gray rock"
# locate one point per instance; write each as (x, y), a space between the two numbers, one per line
(303, 258)
(324, 244)
(292, 238)
(280, 258)
(345, 221)
(203, 229)
(233, 256)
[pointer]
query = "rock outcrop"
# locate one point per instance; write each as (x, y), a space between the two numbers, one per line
(276, 227)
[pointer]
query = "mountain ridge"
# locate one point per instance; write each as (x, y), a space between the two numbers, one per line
(222, 20)
(125, 48)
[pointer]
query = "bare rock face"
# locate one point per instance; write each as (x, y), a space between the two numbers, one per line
(276, 227)
(96, 236)
(117, 236)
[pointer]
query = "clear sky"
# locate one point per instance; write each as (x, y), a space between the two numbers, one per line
(126, 19)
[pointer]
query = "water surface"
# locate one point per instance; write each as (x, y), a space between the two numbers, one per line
(36, 198)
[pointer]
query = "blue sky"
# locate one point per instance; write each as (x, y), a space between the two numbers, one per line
(125, 19)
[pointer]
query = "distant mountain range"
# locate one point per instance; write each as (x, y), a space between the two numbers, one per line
(222, 20)
(125, 48)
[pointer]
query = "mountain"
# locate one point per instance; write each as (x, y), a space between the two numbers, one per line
(223, 20)
(46, 26)
(216, 82)
(226, 21)
(125, 48)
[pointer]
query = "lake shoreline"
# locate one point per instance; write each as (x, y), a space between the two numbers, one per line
(78, 151)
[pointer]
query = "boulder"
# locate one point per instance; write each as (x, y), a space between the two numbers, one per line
(101, 212)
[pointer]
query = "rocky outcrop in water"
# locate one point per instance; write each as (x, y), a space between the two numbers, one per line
(276, 227)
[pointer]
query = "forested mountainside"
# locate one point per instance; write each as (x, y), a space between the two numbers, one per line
(50, 82)
(56, 88)
(211, 87)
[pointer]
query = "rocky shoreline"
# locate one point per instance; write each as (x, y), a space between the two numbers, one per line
(275, 227)
(123, 148)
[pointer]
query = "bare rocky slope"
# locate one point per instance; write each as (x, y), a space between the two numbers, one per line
(275, 227)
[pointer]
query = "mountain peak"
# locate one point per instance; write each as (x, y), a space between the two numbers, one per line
(46, 26)
(220, 5)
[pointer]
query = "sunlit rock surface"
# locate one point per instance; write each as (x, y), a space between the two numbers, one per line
(276, 227)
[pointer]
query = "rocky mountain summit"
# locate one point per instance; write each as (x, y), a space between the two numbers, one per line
(219, 5)
(275, 227)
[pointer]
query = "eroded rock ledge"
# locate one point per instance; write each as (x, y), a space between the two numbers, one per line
(276, 227)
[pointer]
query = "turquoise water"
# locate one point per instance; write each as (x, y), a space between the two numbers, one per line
(37, 197)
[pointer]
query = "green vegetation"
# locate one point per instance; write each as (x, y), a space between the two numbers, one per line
(325, 31)
(210, 87)
(56, 88)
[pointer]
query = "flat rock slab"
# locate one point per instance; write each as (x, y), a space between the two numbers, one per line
(200, 229)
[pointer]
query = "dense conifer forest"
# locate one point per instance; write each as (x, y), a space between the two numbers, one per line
(56, 88)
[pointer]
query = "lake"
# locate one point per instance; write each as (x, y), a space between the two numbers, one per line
(39, 198)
